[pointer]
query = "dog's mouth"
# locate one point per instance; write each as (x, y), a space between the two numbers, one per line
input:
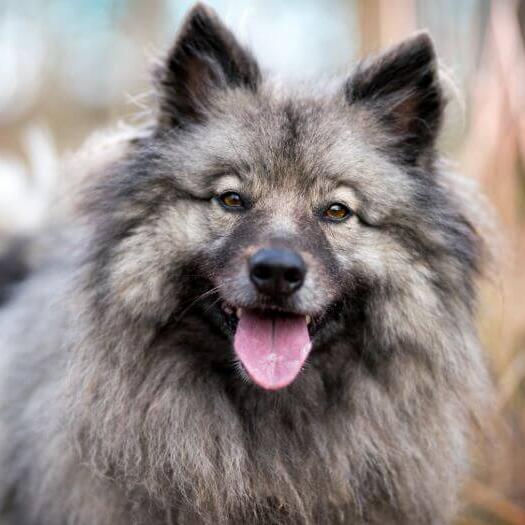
(272, 345)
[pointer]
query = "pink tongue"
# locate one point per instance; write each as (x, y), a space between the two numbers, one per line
(272, 350)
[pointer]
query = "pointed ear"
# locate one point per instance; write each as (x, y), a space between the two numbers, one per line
(402, 88)
(205, 59)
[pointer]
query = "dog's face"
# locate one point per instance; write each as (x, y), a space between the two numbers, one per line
(278, 211)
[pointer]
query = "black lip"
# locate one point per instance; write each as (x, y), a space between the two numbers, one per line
(231, 321)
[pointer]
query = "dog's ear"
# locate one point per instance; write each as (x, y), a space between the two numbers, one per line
(205, 59)
(402, 87)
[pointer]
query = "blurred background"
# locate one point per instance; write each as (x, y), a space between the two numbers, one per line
(69, 67)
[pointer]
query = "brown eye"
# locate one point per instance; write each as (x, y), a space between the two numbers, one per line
(230, 199)
(337, 212)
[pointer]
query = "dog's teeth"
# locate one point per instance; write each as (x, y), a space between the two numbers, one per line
(239, 312)
(308, 319)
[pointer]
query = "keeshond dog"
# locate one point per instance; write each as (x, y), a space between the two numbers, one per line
(259, 310)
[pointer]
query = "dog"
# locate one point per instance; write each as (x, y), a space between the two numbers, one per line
(259, 309)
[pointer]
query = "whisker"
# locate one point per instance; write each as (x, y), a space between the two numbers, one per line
(212, 304)
(201, 297)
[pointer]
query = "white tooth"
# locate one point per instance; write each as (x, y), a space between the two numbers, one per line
(239, 312)
(308, 319)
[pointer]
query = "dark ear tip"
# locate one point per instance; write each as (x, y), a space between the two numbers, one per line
(201, 9)
(420, 43)
(199, 13)
(422, 37)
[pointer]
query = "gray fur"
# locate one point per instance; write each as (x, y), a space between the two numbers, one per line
(121, 401)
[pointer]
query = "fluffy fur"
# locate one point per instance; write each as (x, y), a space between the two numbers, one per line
(121, 400)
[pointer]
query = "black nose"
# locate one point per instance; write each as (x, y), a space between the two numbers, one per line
(277, 272)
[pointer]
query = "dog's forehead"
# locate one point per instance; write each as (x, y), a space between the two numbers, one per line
(318, 143)
(272, 136)
(310, 144)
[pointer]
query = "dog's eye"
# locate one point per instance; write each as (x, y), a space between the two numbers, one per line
(230, 199)
(337, 212)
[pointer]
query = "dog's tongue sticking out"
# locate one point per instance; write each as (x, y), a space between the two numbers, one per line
(272, 349)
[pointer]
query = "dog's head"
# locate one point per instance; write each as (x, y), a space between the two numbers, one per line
(271, 214)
